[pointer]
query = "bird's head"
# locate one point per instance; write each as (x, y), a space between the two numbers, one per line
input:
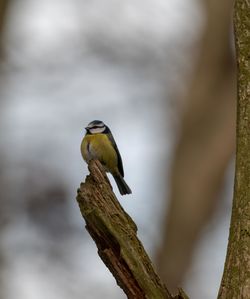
(96, 127)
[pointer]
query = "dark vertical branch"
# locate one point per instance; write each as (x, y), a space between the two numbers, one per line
(4, 6)
(205, 145)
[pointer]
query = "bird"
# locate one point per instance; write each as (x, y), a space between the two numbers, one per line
(99, 143)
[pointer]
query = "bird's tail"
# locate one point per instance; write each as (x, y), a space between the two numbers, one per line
(121, 184)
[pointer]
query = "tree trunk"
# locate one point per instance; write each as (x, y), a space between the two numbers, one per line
(236, 278)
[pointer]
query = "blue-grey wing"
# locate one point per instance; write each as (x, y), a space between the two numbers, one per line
(120, 166)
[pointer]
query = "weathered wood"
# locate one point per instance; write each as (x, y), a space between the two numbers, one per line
(115, 235)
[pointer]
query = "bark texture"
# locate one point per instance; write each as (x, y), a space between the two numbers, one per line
(115, 235)
(236, 278)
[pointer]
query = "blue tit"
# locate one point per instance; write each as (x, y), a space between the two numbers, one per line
(98, 143)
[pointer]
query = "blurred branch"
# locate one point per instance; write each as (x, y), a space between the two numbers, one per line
(115, 235)
(205, 145)
(4, 7)
(236, 278)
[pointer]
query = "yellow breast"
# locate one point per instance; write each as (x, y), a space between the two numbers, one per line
(98, 146)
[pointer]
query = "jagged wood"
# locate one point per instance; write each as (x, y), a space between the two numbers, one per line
(115, 235)
(236, 277)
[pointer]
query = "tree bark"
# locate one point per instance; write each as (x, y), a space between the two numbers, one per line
(236, 277)
(115, 235)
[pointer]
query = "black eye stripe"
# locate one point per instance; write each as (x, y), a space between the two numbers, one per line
(97, 127)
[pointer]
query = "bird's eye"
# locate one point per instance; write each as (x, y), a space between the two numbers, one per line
(98, 127)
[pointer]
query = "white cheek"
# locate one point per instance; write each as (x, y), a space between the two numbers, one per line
(97, 130)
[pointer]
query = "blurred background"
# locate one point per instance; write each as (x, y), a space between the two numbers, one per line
(161, 74)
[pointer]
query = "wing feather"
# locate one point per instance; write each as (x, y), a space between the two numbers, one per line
(120, 165)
